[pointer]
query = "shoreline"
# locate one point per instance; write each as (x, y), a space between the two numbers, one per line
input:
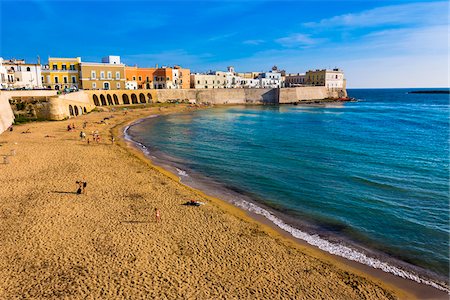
(106, 244)
(405, 280)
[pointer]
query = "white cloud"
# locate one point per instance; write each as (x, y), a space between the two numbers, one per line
(253, 42)
(404, 14)
(299, 40)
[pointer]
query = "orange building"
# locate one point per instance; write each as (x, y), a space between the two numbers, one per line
(142, 76)
(157, 78)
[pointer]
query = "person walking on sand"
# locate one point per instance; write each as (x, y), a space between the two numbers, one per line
(82, 135)
(157, 215)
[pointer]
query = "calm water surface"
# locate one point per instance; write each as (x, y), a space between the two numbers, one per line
(372, 174)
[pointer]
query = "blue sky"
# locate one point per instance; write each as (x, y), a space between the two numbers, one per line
(377, 43)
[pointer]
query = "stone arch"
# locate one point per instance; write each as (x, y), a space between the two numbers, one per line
(142, 98)
(108, 97)
(102, 99)
(76, 112)
(134, 99)
(116, 100)
(84, 110)
(125, 99)
(149, 98)
(96, 102)
(71, 110)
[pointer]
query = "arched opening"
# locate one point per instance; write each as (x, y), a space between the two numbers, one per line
(76, 110)
(102, 99)
(134, 99)
(109, 99)
(116, 100)
(96, 102)
(84, 110)
(142, 98)
(147, 86)
(71, 110)
(125, 99)
(149, 96)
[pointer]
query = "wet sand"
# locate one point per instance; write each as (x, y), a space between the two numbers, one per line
(107, 244)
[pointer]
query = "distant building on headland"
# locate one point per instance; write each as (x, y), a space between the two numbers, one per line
(231, 79)
(332, 79)
(294, 79)
(17, 74)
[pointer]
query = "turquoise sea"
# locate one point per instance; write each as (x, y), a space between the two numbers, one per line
(366, 180)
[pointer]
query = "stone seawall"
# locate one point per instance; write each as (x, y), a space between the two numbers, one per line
(6, 113)
(299, 94)
(59, 107)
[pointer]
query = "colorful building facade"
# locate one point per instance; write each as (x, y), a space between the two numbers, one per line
(62, 73)
(102, 76)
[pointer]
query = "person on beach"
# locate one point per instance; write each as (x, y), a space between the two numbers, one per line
(81, 187)
(157, 215)
(69, 127)
(5, 160)
(113, 139)
(82, 135)
(88, 141)
(84, 124)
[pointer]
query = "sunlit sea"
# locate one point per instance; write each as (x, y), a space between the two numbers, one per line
(366, 180)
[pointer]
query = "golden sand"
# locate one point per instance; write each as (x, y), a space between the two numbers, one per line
(107, 245)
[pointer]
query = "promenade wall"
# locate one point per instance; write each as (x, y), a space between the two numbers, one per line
(59, 107)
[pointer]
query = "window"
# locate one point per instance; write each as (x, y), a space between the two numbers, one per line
(167, 78)
(140, 78)
(94, 85)
(3, 79)
(102, 75)
(56, 79)
(118, 85)
(74, 79)
(134, 78)
(28, 69)
(55, 67)
(147, 79)
(109, 75)
(117, 75)
(72, 67)
(64, 67)
(198, 81)
(65, 79)
(93, 75)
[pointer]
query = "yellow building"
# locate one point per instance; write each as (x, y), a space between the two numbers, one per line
(62, 73)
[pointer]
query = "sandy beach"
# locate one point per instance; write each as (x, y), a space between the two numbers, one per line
(107, 243)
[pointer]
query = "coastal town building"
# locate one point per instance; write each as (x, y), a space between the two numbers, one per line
(332, 79)
(294, 79)
(4, 77)
(216, 80)
(157, 78)
(20, 74)
(270, 79)
(172, 78)
(62, 73)
(107, 75)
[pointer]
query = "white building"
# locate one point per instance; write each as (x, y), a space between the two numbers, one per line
(4, 77)
(270, 79)
(23, 75)
(111, 59)
(131, 85)
(216, 80)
